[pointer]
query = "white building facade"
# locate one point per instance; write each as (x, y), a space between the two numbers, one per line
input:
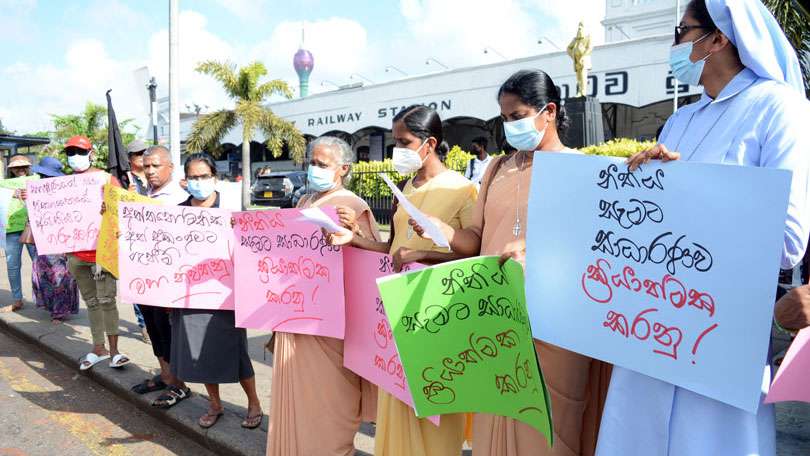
(630, 77)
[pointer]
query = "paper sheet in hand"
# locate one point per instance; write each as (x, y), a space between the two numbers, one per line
(318, 217)
(430, 228)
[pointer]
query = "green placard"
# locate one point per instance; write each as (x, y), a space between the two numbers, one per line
(463, 335)
(17, 213)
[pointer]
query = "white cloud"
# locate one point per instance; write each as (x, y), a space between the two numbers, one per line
(591, 12)
(247, 10)
(197, 44)
(88, 71)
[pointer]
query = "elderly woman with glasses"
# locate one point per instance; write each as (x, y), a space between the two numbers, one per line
(310, 385)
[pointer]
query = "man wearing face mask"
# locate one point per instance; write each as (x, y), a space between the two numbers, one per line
(97, 286)
(478, 164)
(753, 112)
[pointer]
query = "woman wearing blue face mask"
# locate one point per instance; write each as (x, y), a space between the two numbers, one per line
(753, 112)
(207, 347)
(534, 122)
(310, 384)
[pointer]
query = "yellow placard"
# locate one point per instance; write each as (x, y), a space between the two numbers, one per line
(107, 249)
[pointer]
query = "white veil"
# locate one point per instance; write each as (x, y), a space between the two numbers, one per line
(762, 44)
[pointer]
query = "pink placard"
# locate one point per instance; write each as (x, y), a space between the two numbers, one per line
(289, 279)
(175, 256)
(792, 381)
(368, 348)
(65, 212)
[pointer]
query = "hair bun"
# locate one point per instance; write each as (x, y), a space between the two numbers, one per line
(443, 148)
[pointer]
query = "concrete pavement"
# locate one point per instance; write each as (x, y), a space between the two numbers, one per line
(69, 341)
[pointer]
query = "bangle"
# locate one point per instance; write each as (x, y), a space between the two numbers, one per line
(789, 332)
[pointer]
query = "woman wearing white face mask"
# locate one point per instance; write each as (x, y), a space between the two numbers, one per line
(310, 384)
(449, 197)
(207, 347)
(533, 123)
(753, 112)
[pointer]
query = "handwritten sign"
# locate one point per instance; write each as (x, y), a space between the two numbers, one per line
(107, 247)
(65, 212)
(5, 200)
(791, 381)
(463, 334)
(368, 348)
(175, 256)
(669, 271)
(17, 214)
(289, 278)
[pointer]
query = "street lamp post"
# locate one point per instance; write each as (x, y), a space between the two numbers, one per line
(152, 86)
(488, 49)
(431, 59)
(392, 67)
(352, 76)
(545, 39)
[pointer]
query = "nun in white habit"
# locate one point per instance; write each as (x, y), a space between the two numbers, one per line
(753, 112)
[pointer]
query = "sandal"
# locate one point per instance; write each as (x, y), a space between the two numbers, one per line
(171, 397)
(149, 385)
(118, 361)
(90, 360)
(18, 305)
(252, 422)
(209, 419)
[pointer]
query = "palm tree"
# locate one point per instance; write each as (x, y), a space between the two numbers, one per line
(92, 123)
(795, 21)
(243, 86)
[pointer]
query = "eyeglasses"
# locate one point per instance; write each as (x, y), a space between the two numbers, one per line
(75, 151)
(199, 178)
(681, 30)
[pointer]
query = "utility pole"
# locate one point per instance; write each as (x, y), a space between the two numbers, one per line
(675, 80)
(174, 95)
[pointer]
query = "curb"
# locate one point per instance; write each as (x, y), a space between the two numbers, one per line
(185, 425)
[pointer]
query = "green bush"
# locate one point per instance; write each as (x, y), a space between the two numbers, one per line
(619, 147)
(366, 182)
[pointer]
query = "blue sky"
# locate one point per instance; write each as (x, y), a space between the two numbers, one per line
(58, 54)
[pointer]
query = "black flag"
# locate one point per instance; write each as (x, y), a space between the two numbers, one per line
(117, 161)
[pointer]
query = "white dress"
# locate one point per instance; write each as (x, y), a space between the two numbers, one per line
(753, 122)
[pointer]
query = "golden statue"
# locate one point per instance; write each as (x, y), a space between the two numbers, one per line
(580, 51)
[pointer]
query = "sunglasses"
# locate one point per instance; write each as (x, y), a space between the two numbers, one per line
(76, 151)
(681, 30)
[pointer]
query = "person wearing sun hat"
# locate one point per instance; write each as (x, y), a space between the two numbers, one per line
(55, 289)
(753, 112)
(19, 168)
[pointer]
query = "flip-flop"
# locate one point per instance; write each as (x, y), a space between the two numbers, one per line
(209, 419)
(145, 386)
(90, 360)
(252, 422)
(118, 361)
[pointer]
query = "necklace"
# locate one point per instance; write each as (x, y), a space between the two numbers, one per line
(516, 227)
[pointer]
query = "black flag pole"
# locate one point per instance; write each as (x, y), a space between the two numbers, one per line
(117, 160)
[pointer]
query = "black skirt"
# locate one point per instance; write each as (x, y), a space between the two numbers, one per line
(207, 347)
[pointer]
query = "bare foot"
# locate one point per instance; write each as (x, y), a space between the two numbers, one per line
(56, 321)
(16, 306)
